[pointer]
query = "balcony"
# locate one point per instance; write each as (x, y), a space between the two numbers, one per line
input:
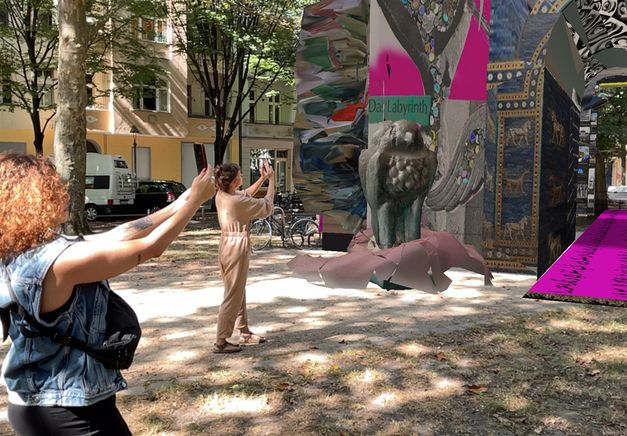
(259, 130)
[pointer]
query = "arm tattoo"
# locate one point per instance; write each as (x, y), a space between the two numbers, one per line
(137, 226)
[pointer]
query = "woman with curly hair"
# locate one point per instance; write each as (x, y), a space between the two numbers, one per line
(62, 283)
(235, 210)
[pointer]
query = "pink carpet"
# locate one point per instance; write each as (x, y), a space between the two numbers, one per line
(593, 269)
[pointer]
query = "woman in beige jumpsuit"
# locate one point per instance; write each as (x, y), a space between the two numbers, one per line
(235, 210)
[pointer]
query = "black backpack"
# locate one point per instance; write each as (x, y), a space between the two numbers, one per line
(122, 332)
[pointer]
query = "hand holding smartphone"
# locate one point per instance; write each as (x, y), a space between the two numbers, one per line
(269, 171)
(200, 155)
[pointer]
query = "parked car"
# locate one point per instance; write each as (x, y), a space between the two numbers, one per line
(617, 195)
(152, 195)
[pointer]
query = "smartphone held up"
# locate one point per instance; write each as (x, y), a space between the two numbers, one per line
(200, 154)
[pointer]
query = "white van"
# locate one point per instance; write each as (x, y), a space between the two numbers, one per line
(109, 184)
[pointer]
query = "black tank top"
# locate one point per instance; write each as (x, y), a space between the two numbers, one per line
(51, 316)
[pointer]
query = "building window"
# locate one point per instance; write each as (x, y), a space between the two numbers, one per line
(150, 29)
(209, 111)
(278, 159)
(189, 101)
(257, 156)
(5, 93)
(152, 98)
(274, 109)
(251, 105)
(280, 169)
(47, 99)
(4, 17)
(90, 90)
(47, 20)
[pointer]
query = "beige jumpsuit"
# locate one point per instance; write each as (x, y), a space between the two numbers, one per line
(234, 213)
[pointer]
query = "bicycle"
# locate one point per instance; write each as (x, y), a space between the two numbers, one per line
(288, 201)
(296, 232)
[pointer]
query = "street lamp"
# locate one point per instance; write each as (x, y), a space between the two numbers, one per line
(134, 131)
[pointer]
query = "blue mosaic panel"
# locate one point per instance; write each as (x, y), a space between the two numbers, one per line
(536, 28)
(557, 184)
(507, 19)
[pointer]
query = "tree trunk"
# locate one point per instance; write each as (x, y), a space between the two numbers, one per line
(38, 142)
(623, 161)
(71, 127)
(600, 187)
(219, 148)
(218, 152)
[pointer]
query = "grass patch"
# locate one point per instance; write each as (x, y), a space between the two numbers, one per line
(157, 423)
(527, 375)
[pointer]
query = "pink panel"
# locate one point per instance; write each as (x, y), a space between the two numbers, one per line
(469, 82)
(486, 8)
(394, 73)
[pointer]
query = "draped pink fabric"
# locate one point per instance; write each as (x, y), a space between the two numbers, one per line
(418, 264)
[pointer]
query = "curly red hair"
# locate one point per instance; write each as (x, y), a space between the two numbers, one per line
(33, 200)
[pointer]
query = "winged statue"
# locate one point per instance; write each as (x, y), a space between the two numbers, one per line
(442, 172)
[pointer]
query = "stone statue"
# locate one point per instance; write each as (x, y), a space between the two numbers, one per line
(396, 172)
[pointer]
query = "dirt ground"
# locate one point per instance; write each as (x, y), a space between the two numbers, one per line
(473, 360)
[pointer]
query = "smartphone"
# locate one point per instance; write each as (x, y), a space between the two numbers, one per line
(200, 154)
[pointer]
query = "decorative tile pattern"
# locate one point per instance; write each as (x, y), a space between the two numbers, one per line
(515, 145)
(560, 131)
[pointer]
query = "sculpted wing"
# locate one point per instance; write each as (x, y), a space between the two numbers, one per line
(465, 176)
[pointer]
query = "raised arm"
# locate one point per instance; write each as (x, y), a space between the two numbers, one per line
(252, 189)
(260, 207)
(142, 226)
(270, 177)
(92, 261)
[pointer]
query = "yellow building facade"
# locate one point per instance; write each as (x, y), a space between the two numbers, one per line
(167, 121)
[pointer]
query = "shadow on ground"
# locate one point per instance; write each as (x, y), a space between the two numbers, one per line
(473, 360)
(369, 371)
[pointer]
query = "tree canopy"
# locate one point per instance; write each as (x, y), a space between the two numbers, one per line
(612, 129)
(234, 47)
(29, 41)
(610, 142)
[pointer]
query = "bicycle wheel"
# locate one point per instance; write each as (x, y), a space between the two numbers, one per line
(260, 234)
(305, 232)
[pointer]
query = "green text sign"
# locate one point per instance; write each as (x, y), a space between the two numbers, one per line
(391, 108)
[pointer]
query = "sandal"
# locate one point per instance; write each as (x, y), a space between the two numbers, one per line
(227, 347)
(250, 339)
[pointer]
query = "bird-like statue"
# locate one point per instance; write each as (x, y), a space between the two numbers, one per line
(396, 172)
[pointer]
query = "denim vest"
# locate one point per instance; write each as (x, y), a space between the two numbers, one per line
(38, 371)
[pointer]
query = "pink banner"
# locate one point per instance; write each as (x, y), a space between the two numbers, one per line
(472, 70)
(594, 268)
(394, 73)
